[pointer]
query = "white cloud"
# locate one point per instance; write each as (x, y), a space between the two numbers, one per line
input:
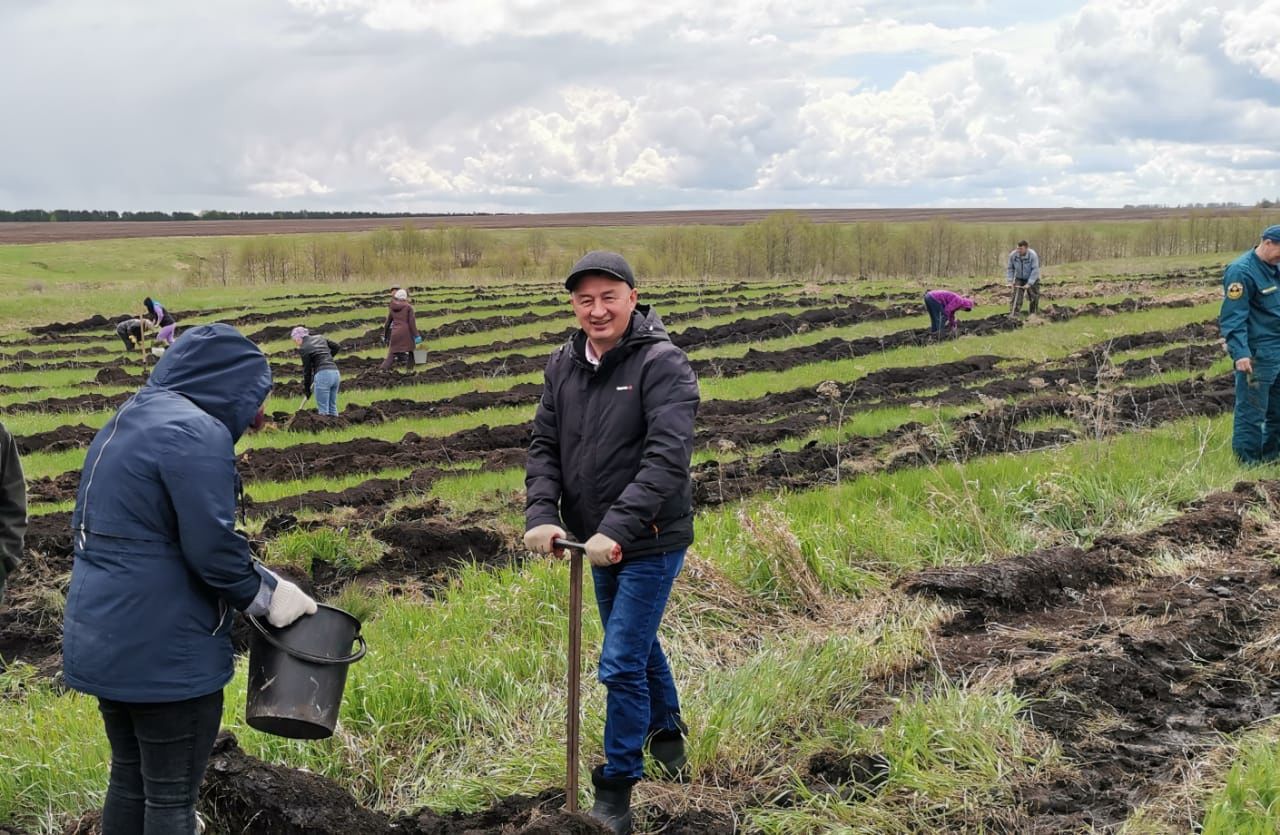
(544, 105)
(293, 183)
(1250, 35)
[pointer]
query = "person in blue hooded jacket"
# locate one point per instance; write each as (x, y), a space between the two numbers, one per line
(1249, 321)
(158, 569)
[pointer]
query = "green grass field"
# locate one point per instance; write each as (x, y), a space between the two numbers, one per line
(790, 631)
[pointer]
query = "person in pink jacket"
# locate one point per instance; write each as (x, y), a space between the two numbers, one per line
(942, 306)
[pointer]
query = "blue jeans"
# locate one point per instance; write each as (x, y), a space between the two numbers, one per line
(936, 318)
(1255, 436)
(325, 385)
(158, 757)
(642, 696)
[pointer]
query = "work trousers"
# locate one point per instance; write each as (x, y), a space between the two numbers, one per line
(937, 317)
(396, 357)
(1255, 436)
(1031, 291)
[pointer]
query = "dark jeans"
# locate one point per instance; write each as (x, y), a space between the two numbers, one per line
(158, 756)
(1255, 435)
(1031, 291)
(642, 696)
(936, 318)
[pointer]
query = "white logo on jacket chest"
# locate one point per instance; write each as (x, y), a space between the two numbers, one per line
(625, 388)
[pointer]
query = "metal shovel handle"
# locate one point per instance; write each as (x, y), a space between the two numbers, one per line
(574, 709)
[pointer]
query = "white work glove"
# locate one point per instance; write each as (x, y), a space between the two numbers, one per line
(539, 539)
(603, 551)
(288, 603)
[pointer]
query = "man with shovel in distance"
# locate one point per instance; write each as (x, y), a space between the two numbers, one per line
(1250, 324)
(1023, 274)
(609, 458)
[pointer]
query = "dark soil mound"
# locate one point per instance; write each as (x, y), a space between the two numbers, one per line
(116, 376)
(59, 488)
(56, 440)
(428, 548)
(244, 795)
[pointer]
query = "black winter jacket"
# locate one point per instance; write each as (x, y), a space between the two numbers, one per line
(611, 445)
(317, 355)
(13, 505)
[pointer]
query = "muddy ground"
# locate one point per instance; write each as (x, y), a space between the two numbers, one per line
(1136, 664)
(1161, 683)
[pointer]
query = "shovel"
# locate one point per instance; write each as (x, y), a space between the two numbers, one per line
(576, 550)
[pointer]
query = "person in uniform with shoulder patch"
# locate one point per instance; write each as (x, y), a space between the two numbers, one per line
(1250, 324)
(609, 459)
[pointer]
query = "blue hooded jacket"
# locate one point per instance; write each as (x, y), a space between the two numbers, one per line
(158, 563)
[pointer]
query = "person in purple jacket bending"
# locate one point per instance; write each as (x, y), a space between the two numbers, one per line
(942, 306)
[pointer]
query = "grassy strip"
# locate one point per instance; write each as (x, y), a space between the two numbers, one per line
(473, 684)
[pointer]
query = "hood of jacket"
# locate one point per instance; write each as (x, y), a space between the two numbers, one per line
(219, 370)
(646, 328)
(398, 305)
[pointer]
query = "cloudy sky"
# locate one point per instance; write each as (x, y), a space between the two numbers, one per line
(538, 105)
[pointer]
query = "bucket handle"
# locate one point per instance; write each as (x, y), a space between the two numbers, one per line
(306, 656)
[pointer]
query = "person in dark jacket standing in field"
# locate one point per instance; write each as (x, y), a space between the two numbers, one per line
(13, 506)
(400, 331)
(319, 372)
(1250, 324)
(158, 569)
(609, 460)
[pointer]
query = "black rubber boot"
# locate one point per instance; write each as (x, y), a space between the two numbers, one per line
(670, 760)
(613, 801)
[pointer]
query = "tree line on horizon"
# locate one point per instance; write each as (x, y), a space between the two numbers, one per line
(94, 215)
(783, 244)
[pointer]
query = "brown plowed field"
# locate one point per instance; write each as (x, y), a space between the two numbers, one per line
(27, 233)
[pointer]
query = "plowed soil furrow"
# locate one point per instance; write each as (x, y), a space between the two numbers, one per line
(986, 434)
(1136, 672)
(775, 418)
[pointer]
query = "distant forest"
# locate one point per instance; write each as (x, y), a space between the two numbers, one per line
(68, 215)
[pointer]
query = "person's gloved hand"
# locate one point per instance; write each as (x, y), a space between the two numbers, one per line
(288, 603)
(603, 551)
(417, 340)
(539, 538)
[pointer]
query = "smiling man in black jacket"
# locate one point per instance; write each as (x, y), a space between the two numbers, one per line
(609, 460)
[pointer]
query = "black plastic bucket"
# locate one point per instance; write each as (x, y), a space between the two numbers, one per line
(297, 674)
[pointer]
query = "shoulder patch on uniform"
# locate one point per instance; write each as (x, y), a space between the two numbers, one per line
(1235, 290)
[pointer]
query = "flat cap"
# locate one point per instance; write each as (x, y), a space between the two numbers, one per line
(601, 261)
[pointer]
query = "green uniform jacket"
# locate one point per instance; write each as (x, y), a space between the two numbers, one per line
(1250, 315)
(13, 505)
